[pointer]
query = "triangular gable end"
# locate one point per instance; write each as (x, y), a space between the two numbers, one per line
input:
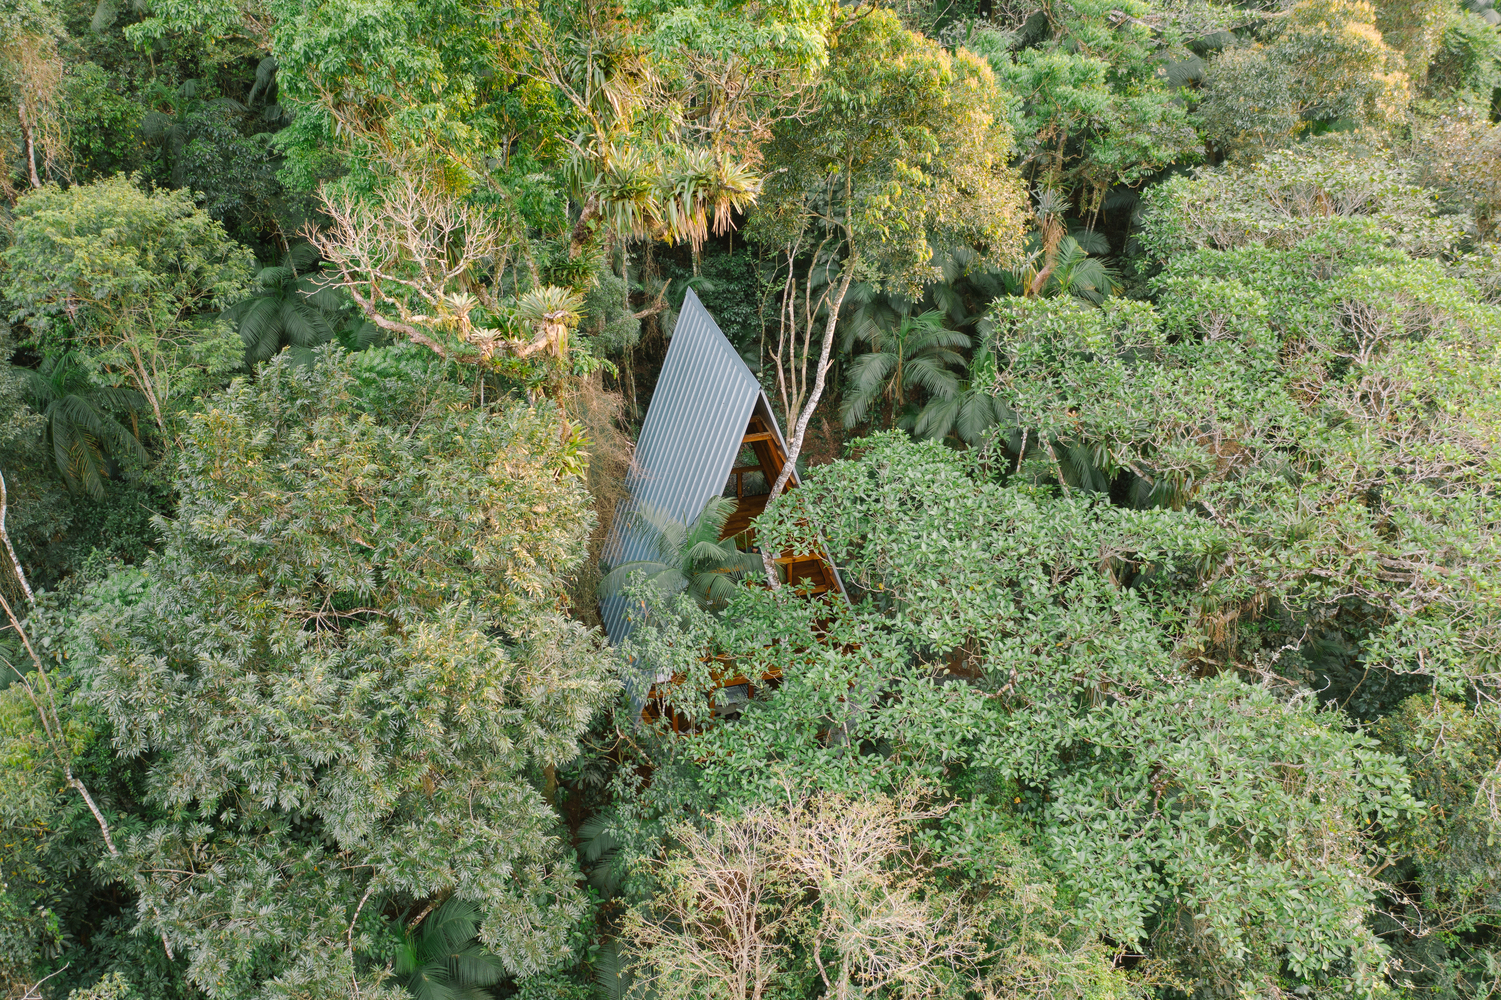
(703, 411)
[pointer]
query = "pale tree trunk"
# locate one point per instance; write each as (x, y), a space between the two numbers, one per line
(148, 385)
(800, 429)
(10, 549)
(30, 140)
(45, 704)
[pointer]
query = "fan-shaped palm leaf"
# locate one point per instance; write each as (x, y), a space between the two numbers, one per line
(443, 959)
(79, 423)
(688, 557)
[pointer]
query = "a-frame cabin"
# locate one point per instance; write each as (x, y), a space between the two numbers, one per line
(709, 430)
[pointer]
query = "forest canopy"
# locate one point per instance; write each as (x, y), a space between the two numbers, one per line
(1140, 371)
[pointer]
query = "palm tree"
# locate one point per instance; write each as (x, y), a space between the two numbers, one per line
(689, 557)
(970, 411)
(444, 960)
(79, 423)
(1077, 273)
(289, 307)
(919, 352)
(1059, 260)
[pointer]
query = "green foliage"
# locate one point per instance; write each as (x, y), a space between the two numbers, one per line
(1318, 66)
(290, 307)
(103, 124)
(443, 959)
(111, 987)
(907, 149)
(81, 422)
(365, 573)
(1323, 342)
(1035, 656)
(1169, 659)
(1094, 109)
(1288, 197)
(608, 321)
(689, 558)
(1467, 66)
(132, 280)
(552, 987)
(1345, 68)
(1450, 751)
(917, 354)
(733, 288)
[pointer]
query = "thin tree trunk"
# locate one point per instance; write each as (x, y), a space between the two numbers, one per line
(147, 386)
(795, 446)
(10, 549)
(52, 725)
(36, 180)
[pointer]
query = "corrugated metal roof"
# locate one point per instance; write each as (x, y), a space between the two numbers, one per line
(688, 442)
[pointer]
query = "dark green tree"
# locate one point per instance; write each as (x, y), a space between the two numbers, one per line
(353, 644)
(442, 958)
(287, 307)
(80, 422)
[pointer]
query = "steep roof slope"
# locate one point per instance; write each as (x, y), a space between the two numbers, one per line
(688, 443)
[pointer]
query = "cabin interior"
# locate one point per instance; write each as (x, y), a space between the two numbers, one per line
(759, 463)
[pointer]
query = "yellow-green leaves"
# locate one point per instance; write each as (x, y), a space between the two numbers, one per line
(346, 664)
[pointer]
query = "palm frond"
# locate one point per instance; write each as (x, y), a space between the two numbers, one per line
(302, 258)
(931, 376)
(868, 373)
(476, 965)
(1090, 241)
(1093, 280)
(120, 441)
(615, 581)
(597, 850)
(38, 388)
(855, 405)
(275, 277)
(705, 555)
(611, 980)
(711, 520)
(716, 589)
(302, 325)
(66, 444)
(946, 338)
(117, 398)
(450, 928)
(937, 417)
(260, 328)
(979, 411)
(670, 580)
(77, 411)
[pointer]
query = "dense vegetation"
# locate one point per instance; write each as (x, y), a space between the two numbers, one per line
(1144, 361)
